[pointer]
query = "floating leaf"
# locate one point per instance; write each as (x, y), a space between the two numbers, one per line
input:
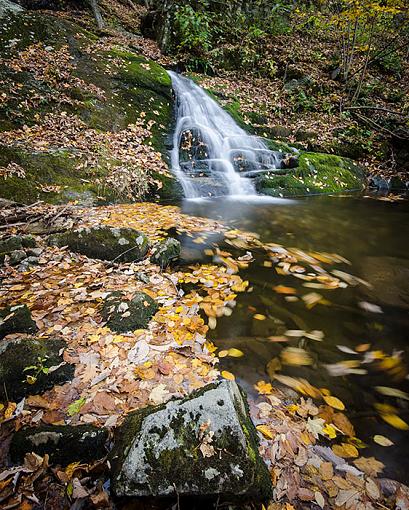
(395, 421)
(334, 402)
(259, 317)
(382, 440)
(392, 392)
(235, 353)
(263, 388)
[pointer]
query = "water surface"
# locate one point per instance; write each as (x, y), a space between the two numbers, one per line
(374, 236)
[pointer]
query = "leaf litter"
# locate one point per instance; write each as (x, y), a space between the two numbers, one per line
(116, 373)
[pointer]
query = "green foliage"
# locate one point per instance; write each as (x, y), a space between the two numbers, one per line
(193, 30)
(36, 370)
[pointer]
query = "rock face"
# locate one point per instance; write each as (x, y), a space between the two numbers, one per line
(16, 355)
(16, 319)
(203, 445)
(316, 173)
(7, 7)
(124, 315)
(63, 443)
(166, 252)
(105, 243)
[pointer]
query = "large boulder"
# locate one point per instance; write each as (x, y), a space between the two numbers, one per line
(29, 366)
(202, 445)
(16, 319)
(166, 252)
(63, 444)
(316, 173)
(123, 314)
(7, 7)
(105, 243)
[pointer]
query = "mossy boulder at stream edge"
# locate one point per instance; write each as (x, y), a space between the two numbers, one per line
(122, 315)
(121, 87)
(201, 445)
(316, 173)
(105, 243)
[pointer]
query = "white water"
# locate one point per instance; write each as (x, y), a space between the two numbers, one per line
(223, 144)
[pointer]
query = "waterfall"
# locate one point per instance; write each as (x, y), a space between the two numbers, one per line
(211, 154)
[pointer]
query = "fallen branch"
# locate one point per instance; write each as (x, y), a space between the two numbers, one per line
(376, 108)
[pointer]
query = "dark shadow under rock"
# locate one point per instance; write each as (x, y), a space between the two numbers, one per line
(45, 358)
(63, 443)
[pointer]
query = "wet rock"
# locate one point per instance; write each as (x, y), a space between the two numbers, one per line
(45, 356)
(166, 252)
(124, 315)
(16, 319)
(17, 256)
(105, 243)
(289, 161)
(202, 445)
(28, 262)
(34, 252)
(7, 7)
(63, 443)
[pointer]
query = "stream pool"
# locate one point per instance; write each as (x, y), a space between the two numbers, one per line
(372, 233)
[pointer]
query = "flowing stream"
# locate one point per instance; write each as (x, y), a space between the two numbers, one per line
(211, 154)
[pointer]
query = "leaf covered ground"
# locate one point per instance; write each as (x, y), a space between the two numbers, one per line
(307, 440)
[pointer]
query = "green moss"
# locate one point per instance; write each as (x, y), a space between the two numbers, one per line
(317, 173)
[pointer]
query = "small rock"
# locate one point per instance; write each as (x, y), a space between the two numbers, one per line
(123, 315)
(16, 319)
(142, 277)
(105, 243)
(18, 354)
(17, 256)
(63, 443)
(34, 252)
(29, 242)
(289, 161)
(10, 244)
(166, 252)
(202, 445)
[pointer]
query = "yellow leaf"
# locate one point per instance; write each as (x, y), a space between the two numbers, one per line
(264, 388)
(227, 375)
(223, 354)
(330, 431)
(235, 353)
(334, 402)
(395, 421)
(282, 289)
(259, 317)
(382, 440)
(265, 431)
(345, 450)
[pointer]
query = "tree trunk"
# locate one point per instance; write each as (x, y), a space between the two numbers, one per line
(97, 13)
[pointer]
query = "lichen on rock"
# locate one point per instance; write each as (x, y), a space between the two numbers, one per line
(202, 445)
(16, 319)
(166, 252)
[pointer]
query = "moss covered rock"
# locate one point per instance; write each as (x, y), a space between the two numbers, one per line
(105, 243)
(202, 445)
(16, 356)
(123, 315)
(16, 319)
(63, 444)
(316, 173)
(166, 252)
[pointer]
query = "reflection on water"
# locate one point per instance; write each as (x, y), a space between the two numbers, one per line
(374, 236)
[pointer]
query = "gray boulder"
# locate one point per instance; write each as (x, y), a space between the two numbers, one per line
(7, 7)
(202, 445)
(63, 443)
(105, 243)
(123, 315)
(16, 319)
(166, 252)
(29, 366)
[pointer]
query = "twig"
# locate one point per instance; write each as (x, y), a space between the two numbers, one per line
(370, 121)
(377, 108)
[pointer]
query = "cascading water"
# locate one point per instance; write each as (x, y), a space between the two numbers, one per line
(211, 154)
